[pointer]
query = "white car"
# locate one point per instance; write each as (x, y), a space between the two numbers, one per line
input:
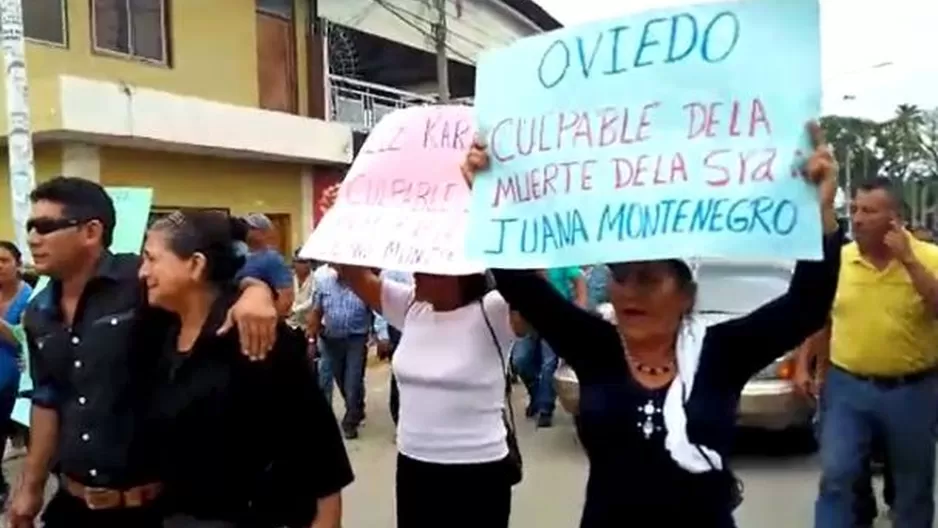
(729, 289)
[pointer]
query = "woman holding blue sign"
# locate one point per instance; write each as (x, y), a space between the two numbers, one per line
(659, 388)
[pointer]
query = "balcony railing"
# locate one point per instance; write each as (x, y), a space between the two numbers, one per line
(362, 104)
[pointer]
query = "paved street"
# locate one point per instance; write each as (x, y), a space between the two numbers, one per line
(780, 485)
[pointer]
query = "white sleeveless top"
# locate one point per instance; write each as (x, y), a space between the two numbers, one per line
(452, 387)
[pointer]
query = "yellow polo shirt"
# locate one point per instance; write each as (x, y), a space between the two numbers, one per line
(880, 324)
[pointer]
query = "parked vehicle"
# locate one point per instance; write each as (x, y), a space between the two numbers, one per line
(726, 290)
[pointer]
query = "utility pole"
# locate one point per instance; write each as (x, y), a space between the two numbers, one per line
(442, 61)
(849, 180)
(19, 135)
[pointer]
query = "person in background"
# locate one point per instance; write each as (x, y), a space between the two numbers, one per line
(597, 293)
(881, 384)
(811, 367)
(215, 408)
(303, 284)
(341, 323)
(389, 338)
(14, 296)
(535, 361)
(264, 261)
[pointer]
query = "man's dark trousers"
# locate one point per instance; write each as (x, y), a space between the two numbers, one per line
(344, 361)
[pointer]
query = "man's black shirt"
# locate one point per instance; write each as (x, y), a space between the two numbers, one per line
(98, 374)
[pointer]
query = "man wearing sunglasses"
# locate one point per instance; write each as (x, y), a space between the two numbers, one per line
(94, 344)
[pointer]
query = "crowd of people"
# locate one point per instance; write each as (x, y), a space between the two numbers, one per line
(190, 386)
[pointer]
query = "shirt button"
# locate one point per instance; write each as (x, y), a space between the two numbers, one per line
(81, 400)
(77, 363)
(75, 340)
(93, 472)
(85, 437)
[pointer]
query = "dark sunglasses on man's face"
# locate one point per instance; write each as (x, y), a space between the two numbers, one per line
(44, 226)
(643, 273)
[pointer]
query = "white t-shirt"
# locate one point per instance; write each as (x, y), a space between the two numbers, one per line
(451, 382)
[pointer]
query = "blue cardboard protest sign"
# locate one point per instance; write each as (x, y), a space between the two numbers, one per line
(669, 133)
(132, 209)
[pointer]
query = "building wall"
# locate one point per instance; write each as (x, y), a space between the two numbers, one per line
(181, 180)
(212, 51)
(48, 160)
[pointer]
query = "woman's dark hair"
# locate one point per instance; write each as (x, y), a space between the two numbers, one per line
(239, 229)
(15, 251)
(205, 232)
(473, 287)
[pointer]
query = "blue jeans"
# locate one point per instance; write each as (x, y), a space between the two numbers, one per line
(853, 410)
(535, 363)
(343, 359)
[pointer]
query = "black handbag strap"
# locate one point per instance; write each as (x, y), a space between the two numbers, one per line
(706, 457)
(504, 364)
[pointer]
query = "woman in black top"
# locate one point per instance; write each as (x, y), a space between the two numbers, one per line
(248, 444)
(659, 389)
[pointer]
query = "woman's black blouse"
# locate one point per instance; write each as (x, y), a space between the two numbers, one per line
(633, 481)
(253, 443)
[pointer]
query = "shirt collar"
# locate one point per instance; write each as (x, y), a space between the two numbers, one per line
(106, 269)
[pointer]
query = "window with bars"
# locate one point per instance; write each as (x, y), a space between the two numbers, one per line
(132, 28)
(45, 21)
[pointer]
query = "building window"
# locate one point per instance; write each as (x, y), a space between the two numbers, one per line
(45, 21)
(280, 8)
(134, 28)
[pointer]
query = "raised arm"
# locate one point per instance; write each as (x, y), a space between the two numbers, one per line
(781, 325)
(751, 342)
(558, 321)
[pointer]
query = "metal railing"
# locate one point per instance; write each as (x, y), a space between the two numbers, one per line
(362, 104)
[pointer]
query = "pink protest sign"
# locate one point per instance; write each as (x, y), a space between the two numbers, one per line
(404, 204)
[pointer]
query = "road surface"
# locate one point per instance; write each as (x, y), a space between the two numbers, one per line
(780, 485)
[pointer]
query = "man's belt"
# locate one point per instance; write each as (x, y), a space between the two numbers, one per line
(111, 499)
(892, 381)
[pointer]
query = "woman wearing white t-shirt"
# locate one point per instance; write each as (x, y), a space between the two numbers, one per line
(453, 465)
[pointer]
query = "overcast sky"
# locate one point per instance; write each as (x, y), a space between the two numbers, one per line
(856, 35)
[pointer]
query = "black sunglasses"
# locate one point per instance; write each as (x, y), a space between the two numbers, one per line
(44, 226)
(649, 272)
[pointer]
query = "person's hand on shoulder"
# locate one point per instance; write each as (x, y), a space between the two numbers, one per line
(255, 316)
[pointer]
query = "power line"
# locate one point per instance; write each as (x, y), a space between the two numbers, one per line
(471, 41)
(393, 10)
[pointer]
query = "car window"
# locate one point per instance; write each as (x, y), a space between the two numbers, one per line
(739, 287)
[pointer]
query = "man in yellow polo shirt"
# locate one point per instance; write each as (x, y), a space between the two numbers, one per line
(883, 356)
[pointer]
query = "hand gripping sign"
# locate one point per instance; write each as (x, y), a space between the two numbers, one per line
(404, 203)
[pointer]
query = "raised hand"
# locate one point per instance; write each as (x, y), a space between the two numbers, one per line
(477, 159)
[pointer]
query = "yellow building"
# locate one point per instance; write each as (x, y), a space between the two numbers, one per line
(204, 101)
